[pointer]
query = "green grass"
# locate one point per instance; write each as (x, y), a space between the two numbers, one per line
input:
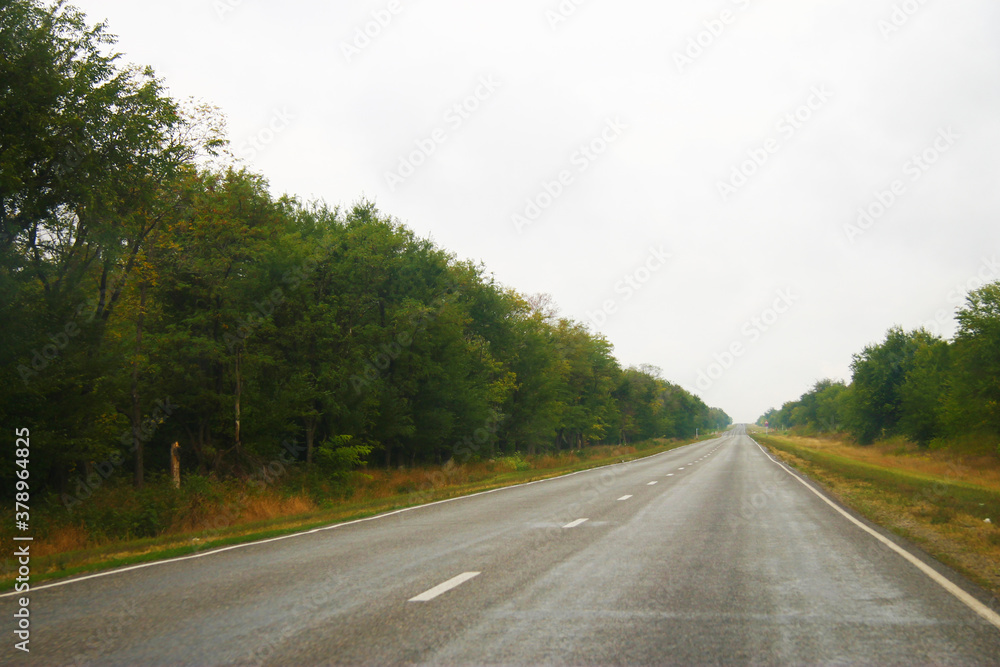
(946, 494)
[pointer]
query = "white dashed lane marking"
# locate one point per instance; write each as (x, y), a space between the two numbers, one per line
(432, 593)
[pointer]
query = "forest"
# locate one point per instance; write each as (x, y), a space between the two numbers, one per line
(153, 290)
(914, 385)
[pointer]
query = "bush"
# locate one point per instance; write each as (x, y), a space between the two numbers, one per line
(117, 511)
(339, 457)
(975, 444)
(515, 462)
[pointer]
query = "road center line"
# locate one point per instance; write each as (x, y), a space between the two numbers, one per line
(444, 588)
(624, 497)
(975, 605)
(574, 524)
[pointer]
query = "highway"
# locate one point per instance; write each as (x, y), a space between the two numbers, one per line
(711, 553)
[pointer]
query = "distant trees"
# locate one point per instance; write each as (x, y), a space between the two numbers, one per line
(821, 409)
(915, 384)
(148, 299)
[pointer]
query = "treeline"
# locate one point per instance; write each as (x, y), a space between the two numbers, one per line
(149, 297)
(914, 384)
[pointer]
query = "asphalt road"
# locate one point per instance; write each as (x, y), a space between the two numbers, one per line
(711, 553)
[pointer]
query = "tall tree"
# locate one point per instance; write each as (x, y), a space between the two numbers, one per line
(976, 385)
(879, 372)
(87, 147)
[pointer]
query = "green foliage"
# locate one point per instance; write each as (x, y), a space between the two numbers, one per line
(515, 463)
(915, 385)
(340, 458)
(820, 410)
(921, 395)
(975, 405)
(87, 160)
(287, 338)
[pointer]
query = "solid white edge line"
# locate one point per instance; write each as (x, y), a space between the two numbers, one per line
(432, 593)
(212, 552)
(574, 524)
(975, 605)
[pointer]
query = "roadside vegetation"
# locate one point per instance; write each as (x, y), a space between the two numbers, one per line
(915, 385)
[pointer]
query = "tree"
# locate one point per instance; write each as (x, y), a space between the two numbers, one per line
(976, 385)
(924, 390)
(87, 149)
(879, 373)
(219, 288)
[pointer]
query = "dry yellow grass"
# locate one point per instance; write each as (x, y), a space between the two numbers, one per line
(975, 469)
(261, 508)
(380, 484)
(61, 540)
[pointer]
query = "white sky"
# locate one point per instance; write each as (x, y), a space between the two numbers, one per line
(881, 93)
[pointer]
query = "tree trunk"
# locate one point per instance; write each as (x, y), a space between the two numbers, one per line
(239, 389)
(175, 464)
(311, 424)
(139, 475)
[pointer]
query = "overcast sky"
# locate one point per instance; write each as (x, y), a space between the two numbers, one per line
(687, 179)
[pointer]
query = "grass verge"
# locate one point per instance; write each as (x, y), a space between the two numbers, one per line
(372, 493)
(943, 512)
